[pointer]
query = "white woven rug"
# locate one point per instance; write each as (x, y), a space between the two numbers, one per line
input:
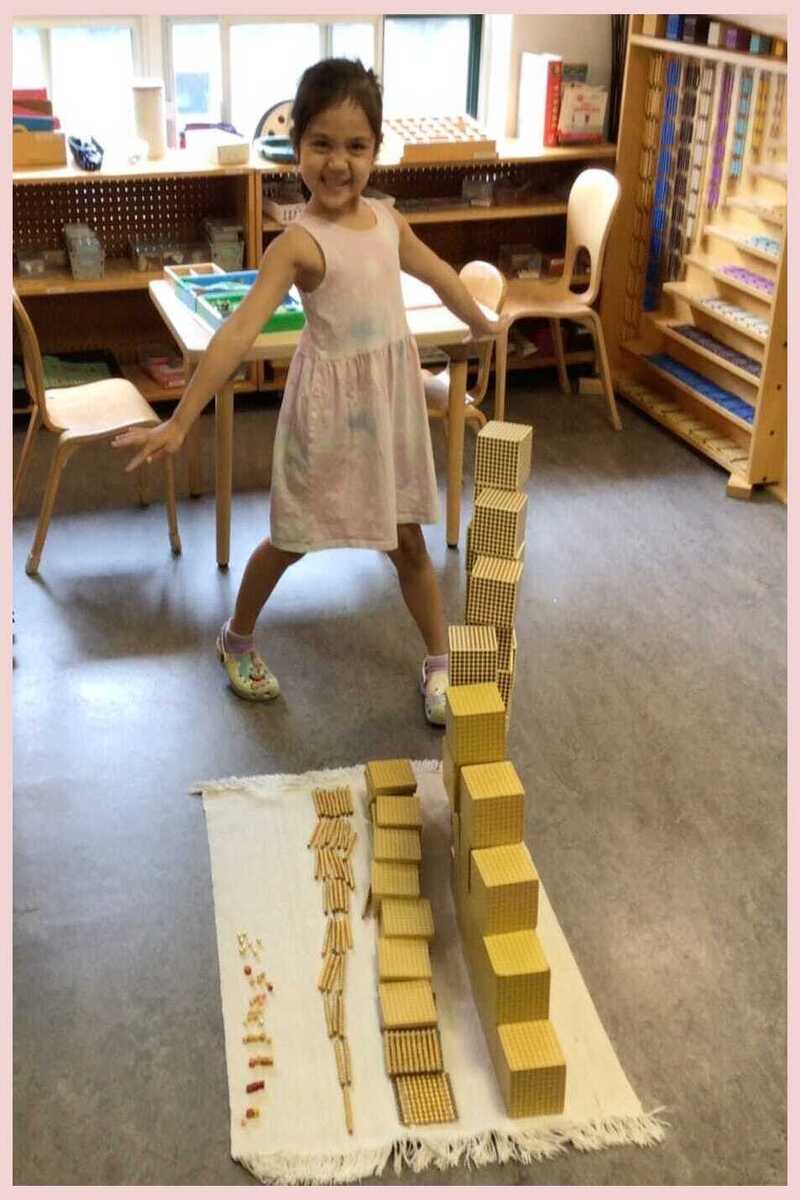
(263, 880)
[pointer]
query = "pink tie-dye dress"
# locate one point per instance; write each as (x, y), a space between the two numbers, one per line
(352, 457)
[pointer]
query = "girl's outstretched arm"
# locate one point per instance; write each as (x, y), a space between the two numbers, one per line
(419, 260)
(227, 348)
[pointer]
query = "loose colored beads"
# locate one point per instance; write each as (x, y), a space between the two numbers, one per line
(255, 1087)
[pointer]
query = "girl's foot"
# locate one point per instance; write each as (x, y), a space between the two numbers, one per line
(434, 686)
(249, 675)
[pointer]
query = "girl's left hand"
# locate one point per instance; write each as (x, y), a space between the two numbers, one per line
(488, 329)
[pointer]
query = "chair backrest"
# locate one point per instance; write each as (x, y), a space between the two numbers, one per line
(593, 200)
(31, 358)
(487, 285)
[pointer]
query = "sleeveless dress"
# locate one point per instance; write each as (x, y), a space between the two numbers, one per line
(352, 458)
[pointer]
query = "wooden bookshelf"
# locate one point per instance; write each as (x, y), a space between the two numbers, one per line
(751, 199)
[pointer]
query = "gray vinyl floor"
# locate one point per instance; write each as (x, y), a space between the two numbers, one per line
(648, 727)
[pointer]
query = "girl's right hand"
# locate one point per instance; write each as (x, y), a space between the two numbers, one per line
(154, 443)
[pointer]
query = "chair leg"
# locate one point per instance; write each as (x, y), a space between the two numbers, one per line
(500, 368)
(596, 326)
(561, 362)
(172, 511)
(60, 457)
(25, 456)
(474, 416)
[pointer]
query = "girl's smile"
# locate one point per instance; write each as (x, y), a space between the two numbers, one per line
(337, 152)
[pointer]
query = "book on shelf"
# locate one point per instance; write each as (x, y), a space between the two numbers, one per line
(574, 72)
(23, 119)
(582, 114)
(539, 97)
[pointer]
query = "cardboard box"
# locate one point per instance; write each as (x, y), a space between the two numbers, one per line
(40, 149)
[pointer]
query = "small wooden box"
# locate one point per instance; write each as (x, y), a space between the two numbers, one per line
(390, 776)
(503, 455)
(511, 978)
(407, 917)
(530, 1067)
(394, 879)
(403, 958)
(498, 522)
(475, 723)
(407, 1005)
(492, 591)
(492, 804)
(472, 654)
(38, 149)
(503, 889)
(396, 845)
(398, 812)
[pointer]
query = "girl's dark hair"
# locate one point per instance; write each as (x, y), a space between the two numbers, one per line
(330, 82)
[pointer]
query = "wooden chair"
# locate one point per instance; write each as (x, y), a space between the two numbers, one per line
(593, 200)
(487, 285)
(91, 412)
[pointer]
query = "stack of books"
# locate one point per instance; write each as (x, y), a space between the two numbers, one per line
(556, 104)
(37, 140)
(33, 111)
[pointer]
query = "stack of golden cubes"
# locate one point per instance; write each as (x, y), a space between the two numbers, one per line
(495, 553)
(409, 1018)
(495, 884)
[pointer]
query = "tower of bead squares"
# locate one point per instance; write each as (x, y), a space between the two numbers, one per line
(494, 881)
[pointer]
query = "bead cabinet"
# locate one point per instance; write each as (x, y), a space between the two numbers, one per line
(694, 307)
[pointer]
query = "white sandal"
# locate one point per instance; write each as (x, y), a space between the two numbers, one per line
(434, 688)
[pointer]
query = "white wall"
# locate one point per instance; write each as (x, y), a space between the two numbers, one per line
(577, 38)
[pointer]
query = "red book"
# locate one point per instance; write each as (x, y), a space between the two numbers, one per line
(23, 94)
(539, 98)
(552, 102)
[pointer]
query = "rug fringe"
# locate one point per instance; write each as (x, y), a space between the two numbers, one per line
(471, 1150)
(249, 783)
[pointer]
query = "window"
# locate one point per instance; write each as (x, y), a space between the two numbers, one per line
(288, 48)
(235, 68)
(197, 64)
(429, 65)
(88, 70)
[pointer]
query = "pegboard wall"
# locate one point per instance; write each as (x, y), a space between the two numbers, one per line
(147, 209)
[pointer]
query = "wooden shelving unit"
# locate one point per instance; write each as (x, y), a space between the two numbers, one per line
(170, 197)
(738, 191)
(148, 202)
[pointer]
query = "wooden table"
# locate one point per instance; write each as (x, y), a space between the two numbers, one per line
(429, 321)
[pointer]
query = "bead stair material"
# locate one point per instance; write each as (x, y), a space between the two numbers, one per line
(333, 840)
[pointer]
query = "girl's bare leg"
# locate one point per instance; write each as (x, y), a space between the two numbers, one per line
(264, 569)
(420, 587)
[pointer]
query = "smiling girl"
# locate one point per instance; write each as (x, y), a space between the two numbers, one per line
(352, 462)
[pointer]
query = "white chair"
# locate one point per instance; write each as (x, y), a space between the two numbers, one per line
(487, 285)
(593, 200)
(91, 412)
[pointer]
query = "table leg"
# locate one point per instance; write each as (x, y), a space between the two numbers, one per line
(223, 434)
(500, 369)
(455, 446)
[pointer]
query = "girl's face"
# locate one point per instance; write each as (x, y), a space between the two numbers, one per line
(337, 151)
